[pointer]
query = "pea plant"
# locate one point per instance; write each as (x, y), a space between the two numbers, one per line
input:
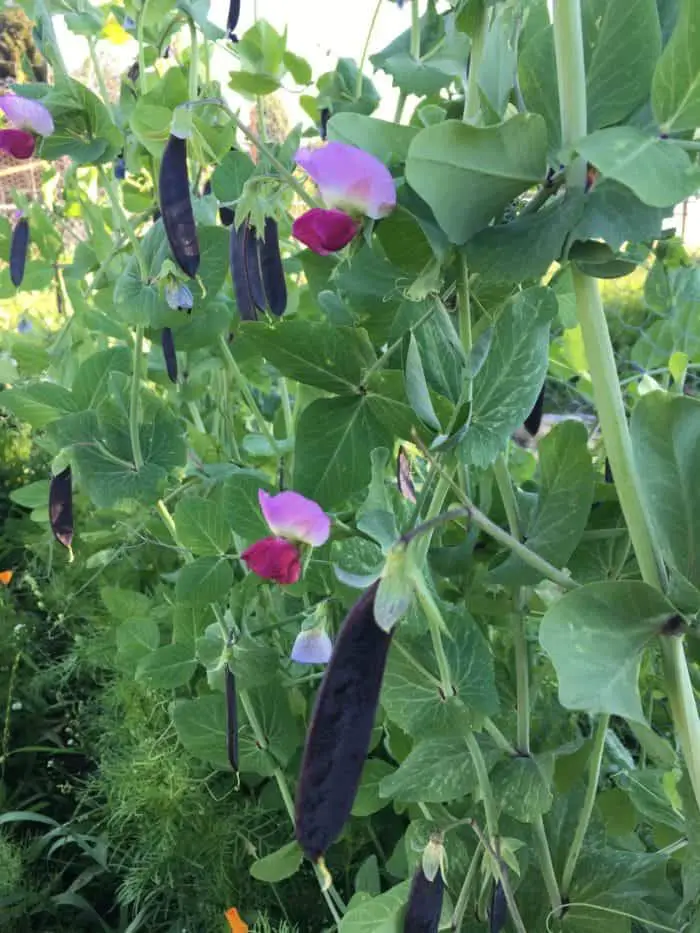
(464, 671)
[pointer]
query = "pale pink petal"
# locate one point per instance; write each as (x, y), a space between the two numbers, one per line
(291, 515)
(274, 559)
(18, 143)
(324, 232)
(350, 179)
(27, 114)
(312, 646)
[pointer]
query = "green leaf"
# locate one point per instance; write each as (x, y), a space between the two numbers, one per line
(675, 95)
(201, 728)
(279, 727)
(202, 527)
(109, 482)
(441, 352)
(513, 374)
(32, 495)
(231, 175)
(91, 382)
(614, 214)
(334, 439)
(417, 388)
(251, 85)
(213, 248)
(411, 693)
(389, 142)
(489, 166)
(255, 664)
(666, 442)
(567, 483)
(150, 124)
(83, 127)
(369, 800)
(657, 170)
(38, 404)
(135, 639)
(521, 788)
(167, 667)
(437, 770)
(278, 865)
(317, 354)
(125, 604)
(378, 914)
(595, 636)
(189, 623)
(241, 506)
(205, 580)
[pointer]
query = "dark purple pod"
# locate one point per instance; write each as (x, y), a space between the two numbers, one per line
(245, 271)
(231, 718)
(206, 190)
(608, 472)
(61, 507)
(424, 903)
(271, 269)
(120, 168)
(498, 913)
(169, 354)
(176, 206)
(226, 216)
(338, 737)
(323, 127)
(234, 11)
(534, 419)
(18, 251)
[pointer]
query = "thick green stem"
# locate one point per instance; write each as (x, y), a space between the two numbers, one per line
(134, 418)
(193, 73)
(244, 389)
(485, 789)
(546, 865)
(365, 50)
(522, 676)
(571, 78)
(400, 104)
(415, 31)
(43, 13)
(110, 186)
(584, 819)
(92, 46)
(465, 892)
(472, 101)
(436, 625)
(505, 488)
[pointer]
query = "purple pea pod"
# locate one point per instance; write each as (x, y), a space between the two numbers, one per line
(61, 507)
(176, 206)
(234, 11)
(231, 718)
(18, 251)
(271, 268)
(498, 914)
(245, 271)
(534, 419)
(424, 903)
(169, 354)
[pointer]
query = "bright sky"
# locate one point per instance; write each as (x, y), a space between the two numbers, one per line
(318, 30)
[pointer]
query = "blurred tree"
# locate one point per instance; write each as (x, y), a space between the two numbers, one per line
(17, 49)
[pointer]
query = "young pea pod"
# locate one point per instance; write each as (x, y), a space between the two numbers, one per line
(271, 268)
(169, 354)
(234, 11)
(424, 903)
(498, 914)
(339, 735)
(245, 271)
(534, 419)
(61, 507)
(231, 718)
(403, 476)
(18, 251)
(176, 206)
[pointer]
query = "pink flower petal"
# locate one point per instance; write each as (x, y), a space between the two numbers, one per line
(312, 646)
(324, 232)
(27, 114)
(350, 179)
(274, 559)
(18, 143)
(293, 516)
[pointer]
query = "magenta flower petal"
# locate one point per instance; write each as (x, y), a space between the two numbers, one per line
(274, 559)
(324, 232)
(293, 516)
(18, 143)
(27, 114)
(350, 179)
(312, 646)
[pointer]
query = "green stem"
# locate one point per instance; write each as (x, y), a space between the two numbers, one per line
(400, 104)
(500, 740)
(244, 389)
(92, 47)
(546, 864)
(465, 892)
(134, 398)
(169, 523)
(584, 819)
(571, 79)
(140, 27)
(110, 186)
(436, 624)
(505, 488)
(55, 57)
(365, 50)
(692, 145)
(193, 73)
(415, 31)
(464, 311)
(522, 676)
(196, 417)
(472, 102)
(485, 789)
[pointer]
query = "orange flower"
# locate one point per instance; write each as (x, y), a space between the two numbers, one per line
(235, 922)
(6, 576)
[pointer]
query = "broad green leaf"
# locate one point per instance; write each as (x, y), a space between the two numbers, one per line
(83, 127)
(91, 383)
(675, 93)
(612, 213)
(595, 636)
(441, 352)
(389, 142)
(231, 174)
(521, 789)
(334, 439)
(213, 247)
(150, 124)
(241, 507)
(567, 483)
(666, 441)
(378, 914)
(202, 527)
(109, 482)
(167, 667)
(189, 623)
(417, 388)
(511, 378)
(135, 639)
(32, 496)
(489, 166)
(278, 865)
(280, 728)
(658, 171)
(201, 728)
(205, 580)
(437, 770)
(369, 800)
(411, 692)
(39, 404)
(125, 604)
(254, 663)
(331, 358)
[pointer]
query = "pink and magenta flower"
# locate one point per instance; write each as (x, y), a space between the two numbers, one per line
(26, 117)
(293, 520)
(352, 183)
